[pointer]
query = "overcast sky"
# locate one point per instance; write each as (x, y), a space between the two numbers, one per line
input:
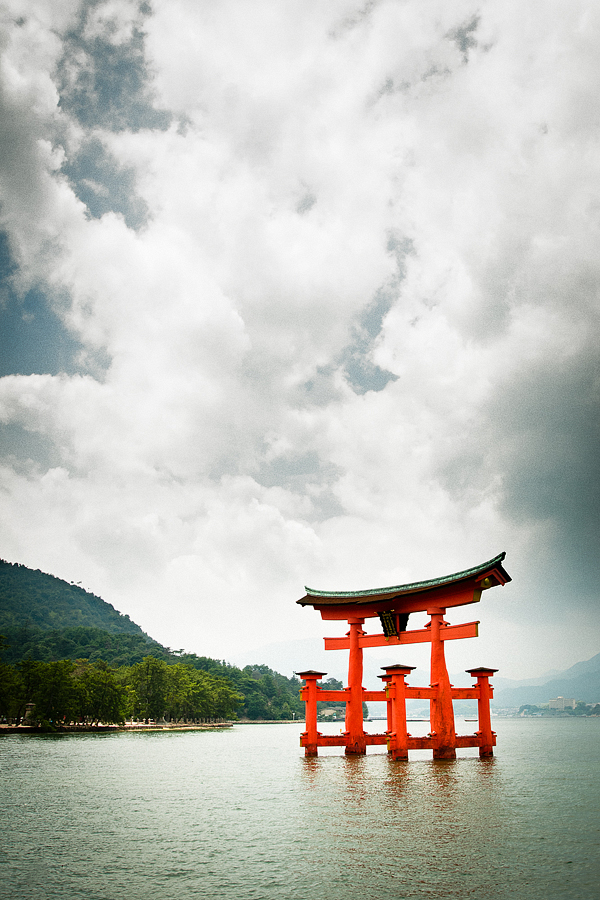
(304, 293)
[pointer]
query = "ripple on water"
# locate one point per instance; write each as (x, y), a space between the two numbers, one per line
(239, 813)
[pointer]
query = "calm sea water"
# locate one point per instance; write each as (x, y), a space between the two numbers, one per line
(239, 813)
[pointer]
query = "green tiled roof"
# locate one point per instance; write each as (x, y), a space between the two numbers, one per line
(415, 586)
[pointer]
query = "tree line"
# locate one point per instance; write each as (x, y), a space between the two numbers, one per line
(79, 691)
(66, 646)
(184, 686)
(90, 675)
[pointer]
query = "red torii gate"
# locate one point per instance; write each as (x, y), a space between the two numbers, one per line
(393, 606)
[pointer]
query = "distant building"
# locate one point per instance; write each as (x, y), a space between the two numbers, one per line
(562, 703)
(329, 713)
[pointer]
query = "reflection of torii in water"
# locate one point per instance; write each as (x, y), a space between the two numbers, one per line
(393, 606)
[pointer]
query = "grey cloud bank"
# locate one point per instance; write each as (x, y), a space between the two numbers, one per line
(304, 293)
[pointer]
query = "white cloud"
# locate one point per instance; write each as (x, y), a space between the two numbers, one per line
(222, 458)
(113, 21)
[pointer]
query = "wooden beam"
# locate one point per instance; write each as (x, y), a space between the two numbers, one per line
(465, 693)
(420, 636)
(374, 695)
(335, 696)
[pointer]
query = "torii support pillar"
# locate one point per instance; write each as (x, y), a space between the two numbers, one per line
(486, 692)
(309, 695)
(396, 696)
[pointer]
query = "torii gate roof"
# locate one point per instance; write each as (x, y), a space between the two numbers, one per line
(449, 590)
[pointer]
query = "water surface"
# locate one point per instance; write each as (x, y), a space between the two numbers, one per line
(239, 813)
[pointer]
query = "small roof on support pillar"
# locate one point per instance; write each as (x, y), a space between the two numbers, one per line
(449, 590)
(310, 673)
(481, 670)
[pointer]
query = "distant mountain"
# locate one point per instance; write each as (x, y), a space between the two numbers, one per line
(500, 682)
(31, 598)
(581, 682)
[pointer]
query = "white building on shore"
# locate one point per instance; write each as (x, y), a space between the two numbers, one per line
(562, 703)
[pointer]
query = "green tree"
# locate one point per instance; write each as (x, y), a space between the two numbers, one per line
(179, 698)
(10, 691)
(28, 678)
(226, 699)
(268, 685)
(101, 698)
(257, 707)
(55, 694)
(581, 709)
(528, 709)
(150, 681)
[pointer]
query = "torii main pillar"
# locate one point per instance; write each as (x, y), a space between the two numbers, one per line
(441, 711)
(393, 606)
(354, 703)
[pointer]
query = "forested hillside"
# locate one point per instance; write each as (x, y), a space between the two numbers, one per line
(32, 598)
(50, 623)
(80, 643)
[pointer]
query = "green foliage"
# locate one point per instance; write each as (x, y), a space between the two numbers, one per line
(47, 621)
(100, 695)
(12, 700)
(581, 709)
(160, 681)
(270, 695)
(63, 691)
(33, 598)
(267, 694)
(192, 693)
(55, 691)
(66, 691)
(148, 681)
(80, 643)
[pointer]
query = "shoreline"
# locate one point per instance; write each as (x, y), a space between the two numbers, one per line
(101, 729)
